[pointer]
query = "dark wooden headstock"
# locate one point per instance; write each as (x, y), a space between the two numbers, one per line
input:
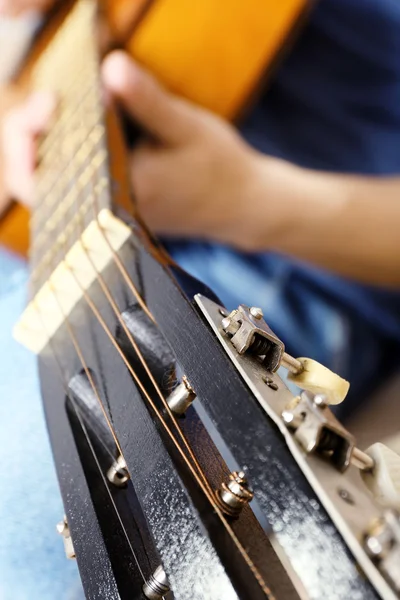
(123, 336)
(162, 516)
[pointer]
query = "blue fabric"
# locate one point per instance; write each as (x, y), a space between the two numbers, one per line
(32, 560)
(333, 105)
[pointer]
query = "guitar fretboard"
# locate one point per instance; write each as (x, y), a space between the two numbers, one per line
(72, 181)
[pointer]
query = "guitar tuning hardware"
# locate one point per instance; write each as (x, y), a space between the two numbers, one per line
(233, 496)
(181, 398)
(362, 460)
(383, 480)
(63, 529)
(157, 586)
(118, 474)
(250, 333)
(317, 429)
(315, 440)
(382, 544)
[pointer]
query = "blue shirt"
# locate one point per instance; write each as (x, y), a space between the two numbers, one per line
(334, 104)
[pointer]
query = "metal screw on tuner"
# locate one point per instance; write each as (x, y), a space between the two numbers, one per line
(256, 312)
(233, 496)
(63, 530)
(157, 586)
(118, 474)
(181, 398)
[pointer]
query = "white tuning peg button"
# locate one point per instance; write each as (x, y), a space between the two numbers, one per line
(313, 377)
(383, 481)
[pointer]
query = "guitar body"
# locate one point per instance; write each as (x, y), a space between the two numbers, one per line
(216, 54)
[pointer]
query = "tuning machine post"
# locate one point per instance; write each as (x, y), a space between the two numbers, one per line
(181, 398)
(63, 530)
(118, 473)
(316, 429)
(233, 496)
(157, 586)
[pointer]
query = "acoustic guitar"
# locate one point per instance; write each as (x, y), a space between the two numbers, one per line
(215, 53)
(186, 466)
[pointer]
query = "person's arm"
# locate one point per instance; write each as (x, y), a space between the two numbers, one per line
(14, 8)
(348, 224)
(196, 177)
(204, 181)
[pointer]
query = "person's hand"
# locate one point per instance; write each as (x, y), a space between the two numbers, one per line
(14, 8)
(19, 133)
(195, 176)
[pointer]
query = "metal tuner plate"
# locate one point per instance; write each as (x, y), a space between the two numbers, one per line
(337, 483)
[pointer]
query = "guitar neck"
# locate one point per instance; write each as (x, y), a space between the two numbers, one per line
(72, 180)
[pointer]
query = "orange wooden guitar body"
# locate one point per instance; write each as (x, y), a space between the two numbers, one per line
(214, 52)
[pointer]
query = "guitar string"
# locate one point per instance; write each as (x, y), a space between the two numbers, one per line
(210, 498)
(124, 272)
(200, 476)
(81, 420)
(196, 476)
(78, 412)
(116, 310)
(106, 291)
(160, 417)
(89, 441)
(70, 171)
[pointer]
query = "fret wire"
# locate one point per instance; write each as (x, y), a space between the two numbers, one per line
(81, 184)
(65, 120)
(49, 140)
(97, 136)
(49, 254)
(92, 168)
(62, 186)
(79, 162)
(74, 161)
(50, 176)
(44, 174)
(79, 187)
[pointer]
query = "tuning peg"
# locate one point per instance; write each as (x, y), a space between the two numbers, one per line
(383, 481)
(63, 529)
(157, 586)
(250, 333)
(313, 377)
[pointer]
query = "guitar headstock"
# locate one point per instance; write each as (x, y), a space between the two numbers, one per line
(185, 463)
(195, 468)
